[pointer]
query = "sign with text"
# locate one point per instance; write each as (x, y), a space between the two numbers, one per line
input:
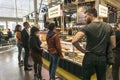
(103, 11)
(54, 12)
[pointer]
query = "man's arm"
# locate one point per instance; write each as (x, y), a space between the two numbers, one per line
(77, 38)
(113, 41)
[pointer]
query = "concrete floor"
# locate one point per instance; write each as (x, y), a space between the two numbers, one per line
(9, 69)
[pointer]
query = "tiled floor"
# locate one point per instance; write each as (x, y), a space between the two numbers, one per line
(9, 69)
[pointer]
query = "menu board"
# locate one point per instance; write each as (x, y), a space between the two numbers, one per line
(55, 11)
(80, 14)
(81, 11)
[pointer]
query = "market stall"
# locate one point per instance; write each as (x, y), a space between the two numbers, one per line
(70, 18)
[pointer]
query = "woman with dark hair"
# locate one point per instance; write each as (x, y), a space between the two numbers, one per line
(36, 51)
(19, 42)
(54, 49)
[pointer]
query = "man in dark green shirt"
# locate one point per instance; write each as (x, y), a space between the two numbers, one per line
(98, 35)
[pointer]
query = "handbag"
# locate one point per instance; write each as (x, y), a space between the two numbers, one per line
(52, 51)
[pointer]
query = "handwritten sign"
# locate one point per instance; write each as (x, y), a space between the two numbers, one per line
(103, 11)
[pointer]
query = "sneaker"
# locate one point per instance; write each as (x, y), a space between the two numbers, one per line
(20, 64)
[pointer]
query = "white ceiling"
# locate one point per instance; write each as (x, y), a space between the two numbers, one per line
(8, 8)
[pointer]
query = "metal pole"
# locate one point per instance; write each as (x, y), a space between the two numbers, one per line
(6, 24)
(35, 10)
(29, 6)
(16, 11)
(62, 18)
(97, 2)
(40, 6)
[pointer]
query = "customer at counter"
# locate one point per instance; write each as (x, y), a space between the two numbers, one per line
(98, 35)
(1, 34)
(36, 51)
(54, 48)
(116, 65)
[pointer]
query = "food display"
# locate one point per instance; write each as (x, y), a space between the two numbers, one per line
(44, 44)
(71, 53)
(68, 50)
(79, 58)
(69, 38)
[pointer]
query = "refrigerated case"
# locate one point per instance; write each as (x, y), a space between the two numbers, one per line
(68, 50)
(71, 53)
(72, 61)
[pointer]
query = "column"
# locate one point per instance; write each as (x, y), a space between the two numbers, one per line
(97, 2)
(36, 15)
(16, 11)
(62, 19)
(6, 24)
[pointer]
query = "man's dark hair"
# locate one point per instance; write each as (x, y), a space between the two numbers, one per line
(25, 23)
(92, 11)
(51, 26)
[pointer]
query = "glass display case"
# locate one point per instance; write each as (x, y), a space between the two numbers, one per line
(72, 61)
(69, 51)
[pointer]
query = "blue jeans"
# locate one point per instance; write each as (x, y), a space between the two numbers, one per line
(19, 51)
(53, 65)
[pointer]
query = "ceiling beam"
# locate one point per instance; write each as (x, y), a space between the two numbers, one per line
(115, 3)
(15, 19)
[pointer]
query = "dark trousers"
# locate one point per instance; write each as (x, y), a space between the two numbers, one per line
(37, 59)
(38, 69)
(116, 65)
(94, 63)
(26, 56)
(53, 66)
(19, 51)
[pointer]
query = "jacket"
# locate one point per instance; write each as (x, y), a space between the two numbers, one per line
(24, 38)
(18, 37)
(53, 41)
(34, 44)
(35, 49)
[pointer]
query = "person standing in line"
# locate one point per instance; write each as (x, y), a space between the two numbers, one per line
(19, 43)
(54, 48)
(1, 34)
(116, 65)
(9, 35)
(98, 35)
(25, 37)
(36, 51)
